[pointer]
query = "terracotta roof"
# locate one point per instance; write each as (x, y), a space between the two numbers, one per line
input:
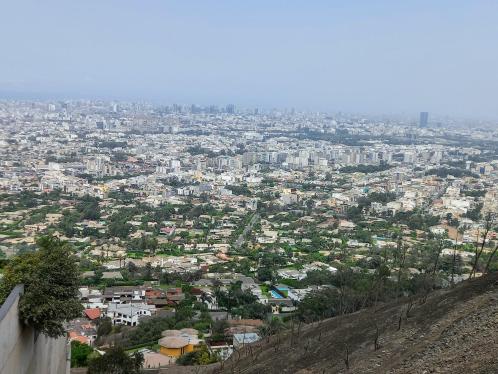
(92, 313)
(154, 293)
(74, 336)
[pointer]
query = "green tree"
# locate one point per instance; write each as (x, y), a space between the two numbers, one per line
(89, 208)
(50, 278)
(68, 223)
(318, 277)
(184, 311)
(79, 354)
(265, 274)
(148, 330)
(253, 310)
(362, 168)
(116, 361)
(147, 271)
(120, 229)
(200, 357)
(218, 329)
(104, 327)
(319, 305)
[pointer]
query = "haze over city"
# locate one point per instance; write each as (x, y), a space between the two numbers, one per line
(358, 56)
(251, 187)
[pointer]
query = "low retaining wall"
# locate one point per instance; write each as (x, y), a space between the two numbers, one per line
(22, 350)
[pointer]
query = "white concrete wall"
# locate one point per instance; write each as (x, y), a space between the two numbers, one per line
(22, 351)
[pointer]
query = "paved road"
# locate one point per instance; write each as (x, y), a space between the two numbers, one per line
(242, 237)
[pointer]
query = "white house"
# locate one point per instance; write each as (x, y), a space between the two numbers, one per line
(128, 314)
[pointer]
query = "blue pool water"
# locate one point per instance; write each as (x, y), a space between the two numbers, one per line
(275, 294)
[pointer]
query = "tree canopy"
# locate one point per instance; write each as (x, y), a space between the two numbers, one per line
(116, 361)
(50, 278)
(80, 353)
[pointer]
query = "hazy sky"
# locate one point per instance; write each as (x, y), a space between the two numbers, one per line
(371, 56)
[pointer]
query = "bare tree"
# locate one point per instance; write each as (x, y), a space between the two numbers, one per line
(400, 319)
(460, 231)
(346, 359)
(478, 250)
(291, 340)
(409, 308)
(376, 337)
(402, 248)
(490, 259)
(439, 249)
(307, 346)
(222, 365)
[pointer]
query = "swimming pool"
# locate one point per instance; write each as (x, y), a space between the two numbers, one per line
(275, 294)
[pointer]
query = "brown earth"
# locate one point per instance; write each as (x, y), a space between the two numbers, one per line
(453, 331)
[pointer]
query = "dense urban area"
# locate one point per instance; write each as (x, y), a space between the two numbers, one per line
(187, 233)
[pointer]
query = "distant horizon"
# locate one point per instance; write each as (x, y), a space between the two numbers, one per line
(370, 57)
(434, 117)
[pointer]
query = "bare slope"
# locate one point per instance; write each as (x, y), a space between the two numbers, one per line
(453, 331)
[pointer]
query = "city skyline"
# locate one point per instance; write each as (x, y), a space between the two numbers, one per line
(373, 58)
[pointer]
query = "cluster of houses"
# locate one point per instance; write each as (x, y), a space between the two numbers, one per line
(129, 305)
(123, 305)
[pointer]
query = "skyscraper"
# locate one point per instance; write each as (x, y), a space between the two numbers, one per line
(424, 119)
(230, 109)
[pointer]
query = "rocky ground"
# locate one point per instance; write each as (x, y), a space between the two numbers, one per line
(453, 331)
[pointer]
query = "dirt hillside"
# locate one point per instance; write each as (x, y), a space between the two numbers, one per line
(453, 331)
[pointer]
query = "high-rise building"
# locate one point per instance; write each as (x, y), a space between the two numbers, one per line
(424, 119)
(194, 109)
(230, 109)
(177, 108)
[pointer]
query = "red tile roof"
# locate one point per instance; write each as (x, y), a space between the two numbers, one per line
(154, 293)
(92, 313)
(75, 336)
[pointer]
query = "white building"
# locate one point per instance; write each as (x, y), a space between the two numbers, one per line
(128, 314)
